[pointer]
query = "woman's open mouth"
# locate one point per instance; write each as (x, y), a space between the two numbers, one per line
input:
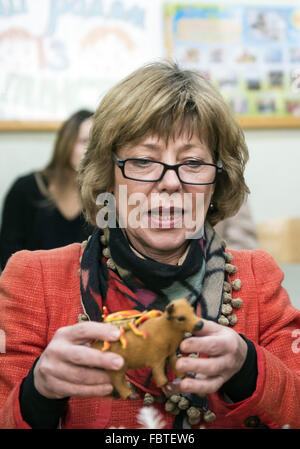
(166, 218)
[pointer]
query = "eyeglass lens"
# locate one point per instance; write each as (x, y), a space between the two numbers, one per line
(145, 170)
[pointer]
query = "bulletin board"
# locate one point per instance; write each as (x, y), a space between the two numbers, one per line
(250, 53)
(58, 56)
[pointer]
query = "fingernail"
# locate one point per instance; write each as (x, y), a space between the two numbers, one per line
(180, 364)
(107, 389)
(186, 385)
(115, 333)
(183, 347)
(117, 362)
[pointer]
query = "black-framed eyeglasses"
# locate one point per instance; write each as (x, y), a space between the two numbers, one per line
(147, 170)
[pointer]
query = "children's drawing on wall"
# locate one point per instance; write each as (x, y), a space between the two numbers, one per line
(68, 57)
(251, 53)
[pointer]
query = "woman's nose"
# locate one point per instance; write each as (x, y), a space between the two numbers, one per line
(170, 181)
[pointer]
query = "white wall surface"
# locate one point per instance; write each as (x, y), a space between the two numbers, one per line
(273, 173)
(20, 153)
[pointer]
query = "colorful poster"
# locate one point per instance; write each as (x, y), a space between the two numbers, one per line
(60, 55)
(251, 53)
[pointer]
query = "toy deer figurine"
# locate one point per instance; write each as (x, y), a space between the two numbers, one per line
(151, 340)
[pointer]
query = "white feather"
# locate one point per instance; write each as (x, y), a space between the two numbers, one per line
(150, 418)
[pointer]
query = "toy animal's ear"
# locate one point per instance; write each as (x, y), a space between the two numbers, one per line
(169, 310)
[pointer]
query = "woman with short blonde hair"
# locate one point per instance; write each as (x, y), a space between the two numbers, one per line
(163, 100)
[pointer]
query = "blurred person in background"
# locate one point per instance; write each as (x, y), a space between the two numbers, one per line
(42, 210)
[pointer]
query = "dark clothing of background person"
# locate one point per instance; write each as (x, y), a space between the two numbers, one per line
(30, 221)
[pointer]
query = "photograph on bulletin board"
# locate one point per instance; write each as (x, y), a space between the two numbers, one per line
(251, 53)
(59, 56)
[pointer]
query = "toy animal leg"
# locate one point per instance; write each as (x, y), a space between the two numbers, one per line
(137, 331)
(119, 382)
(106, 346)
(123, 338)
(159, 374)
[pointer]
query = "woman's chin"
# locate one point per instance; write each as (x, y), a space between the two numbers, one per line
(159, 240)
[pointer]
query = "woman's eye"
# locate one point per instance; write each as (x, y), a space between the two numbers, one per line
(194, 163)
(141, 162)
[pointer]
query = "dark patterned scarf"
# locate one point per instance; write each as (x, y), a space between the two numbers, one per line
(145, 284)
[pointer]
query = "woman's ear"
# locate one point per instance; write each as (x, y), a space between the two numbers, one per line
(110, 189)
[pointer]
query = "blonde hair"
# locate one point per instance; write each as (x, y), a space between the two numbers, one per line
(162, 99)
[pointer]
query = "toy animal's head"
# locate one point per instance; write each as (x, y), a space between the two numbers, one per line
(181, 315)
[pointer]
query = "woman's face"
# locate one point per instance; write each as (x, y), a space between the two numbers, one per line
(159, 216)
(81, 143)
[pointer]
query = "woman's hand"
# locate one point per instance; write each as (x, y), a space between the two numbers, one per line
(226, 352)
(69, 367)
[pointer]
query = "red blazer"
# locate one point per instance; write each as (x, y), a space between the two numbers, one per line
(39, 293)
